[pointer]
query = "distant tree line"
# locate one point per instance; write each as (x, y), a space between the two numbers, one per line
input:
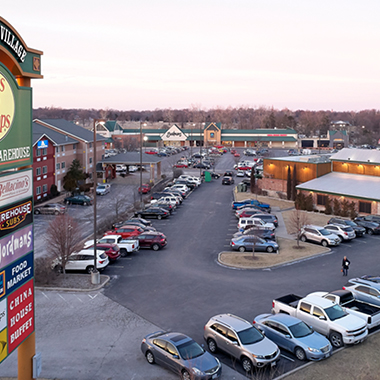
(365, 124)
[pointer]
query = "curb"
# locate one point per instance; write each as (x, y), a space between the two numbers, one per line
(46, 288)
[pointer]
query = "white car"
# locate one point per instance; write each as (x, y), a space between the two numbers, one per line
(240, 173)
(343, 232)
(182, 188)
(103, 189)
(190, 178)
(133, 168)
(121, 168)
(83, 261)
(173, 201)
(259, 223)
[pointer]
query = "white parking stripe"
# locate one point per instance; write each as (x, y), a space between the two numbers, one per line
(292, 360)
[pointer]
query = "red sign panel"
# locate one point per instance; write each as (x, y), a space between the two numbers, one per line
(20, 315)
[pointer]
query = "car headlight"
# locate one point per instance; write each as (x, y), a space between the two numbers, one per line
(313, 349)
(197, 371)
(258, 356)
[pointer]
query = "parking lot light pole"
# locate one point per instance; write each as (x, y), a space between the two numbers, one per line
(141, 148)
(95, 276)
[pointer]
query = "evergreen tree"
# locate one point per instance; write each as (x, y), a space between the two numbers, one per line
(328, 208)
(337, 209)
(73, 176)
(289, 185)
(309, 204)
(294, 190)
(253, 181)
(352, 210)
(345, 211)
(300, 201)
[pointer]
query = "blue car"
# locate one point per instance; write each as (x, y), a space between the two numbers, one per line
(294, 335)
(254, 202)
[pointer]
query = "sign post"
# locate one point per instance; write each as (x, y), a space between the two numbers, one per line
(17, 308)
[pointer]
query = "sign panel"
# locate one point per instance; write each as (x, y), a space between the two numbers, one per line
(18, 273)
(13, 246)
(15, 216)
(15, 122)
(20, 310)
(42, 144)
(16, 186)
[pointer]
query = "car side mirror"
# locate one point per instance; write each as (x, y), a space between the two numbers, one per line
(287, 336)
(175, 357)
(322, 318)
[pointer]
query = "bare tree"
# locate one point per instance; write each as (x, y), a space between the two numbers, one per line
(297, 220)
(63, 237)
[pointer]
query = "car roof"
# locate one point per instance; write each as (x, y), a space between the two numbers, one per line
(233, 321)
(318, 301)
(285, 319)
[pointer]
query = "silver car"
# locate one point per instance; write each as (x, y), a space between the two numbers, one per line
(182, 355)
(319, 235)
(294, 335)
(242, 340)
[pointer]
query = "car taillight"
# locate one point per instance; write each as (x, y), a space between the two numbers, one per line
(232, 243)
(272, 304)
(343, 287)
(101, 261)
(346, 233)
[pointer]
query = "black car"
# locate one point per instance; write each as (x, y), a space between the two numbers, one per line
(227, 181)
(370, 218)
(158, 195)
(152, 212)
(201, 166)
(359, 230)
(228, 173)
(370, 227)
(83, 200)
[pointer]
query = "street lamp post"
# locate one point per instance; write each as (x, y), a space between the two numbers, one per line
(141, 149)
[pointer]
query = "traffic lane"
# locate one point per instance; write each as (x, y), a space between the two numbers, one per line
(184, 280)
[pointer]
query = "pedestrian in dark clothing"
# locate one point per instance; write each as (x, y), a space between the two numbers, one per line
(345, 265)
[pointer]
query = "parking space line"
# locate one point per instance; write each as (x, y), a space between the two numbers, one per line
(286, 357)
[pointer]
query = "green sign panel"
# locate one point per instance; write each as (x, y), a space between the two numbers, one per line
(15, 122)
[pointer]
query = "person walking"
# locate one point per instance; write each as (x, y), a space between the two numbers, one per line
(345, 265)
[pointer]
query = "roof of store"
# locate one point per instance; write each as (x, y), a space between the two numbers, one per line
(371, 156)
(58, 138)
(345, 184)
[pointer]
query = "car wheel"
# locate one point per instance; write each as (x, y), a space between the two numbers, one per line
(247, 364)
(324, 243)
(270, 249)
(37, 212)
(370, 232)
(150, 357)
(300, 353)
(56, 212)
(336, 339)
(90, 269)
(123, 252)
(155, 247)
(58, 268)
(340, 239)
(303, 238)
(186, 375)
(241, 249)
(159, 217)
(212, 345)
(67, 202)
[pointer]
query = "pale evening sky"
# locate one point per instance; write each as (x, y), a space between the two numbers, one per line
(144, 54)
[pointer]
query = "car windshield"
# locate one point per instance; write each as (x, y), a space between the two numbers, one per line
(347, 229)
(324, 232)
(335, 312)
(250, 336)
(351, 223)
(190, 350)
(300, 330)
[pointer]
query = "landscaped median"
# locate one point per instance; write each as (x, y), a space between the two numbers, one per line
(288, 253)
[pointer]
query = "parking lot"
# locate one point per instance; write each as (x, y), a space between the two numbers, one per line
(181, 286)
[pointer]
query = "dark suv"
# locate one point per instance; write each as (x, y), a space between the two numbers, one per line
(371, 228)
(359, 230)
(227, 181)
(152, 240)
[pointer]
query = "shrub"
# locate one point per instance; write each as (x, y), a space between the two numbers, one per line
(345, 211)
(328, 208)
(309, 205)
(300, 202)
(352, 210)
(43, 273)
(337, 207)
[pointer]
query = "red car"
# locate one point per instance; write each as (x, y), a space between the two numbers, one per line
(180, 165)
(146, 188)
(236, 154)
(126, 231)
(152, 240)
(111, 250)
(151, 152)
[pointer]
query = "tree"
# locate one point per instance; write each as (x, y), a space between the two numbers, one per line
(294, 184)
(253, 181)
(300, 201)
(345, 208)
(73, 176)
(352, 210)
(328, 208)
(336, 207)
(63, 237)
(297, 220)
(289, 185)
(309, 204)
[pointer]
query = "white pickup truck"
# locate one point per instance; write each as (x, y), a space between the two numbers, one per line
(363, 310)
(126, 246)
(325, 317)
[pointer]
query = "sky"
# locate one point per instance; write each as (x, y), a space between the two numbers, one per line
(146, 55)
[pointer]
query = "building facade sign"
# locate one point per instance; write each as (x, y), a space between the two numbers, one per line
(7, 37)
(15, 122)
(174, 134)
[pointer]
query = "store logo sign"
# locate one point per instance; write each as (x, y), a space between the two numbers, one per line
(7, 106)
